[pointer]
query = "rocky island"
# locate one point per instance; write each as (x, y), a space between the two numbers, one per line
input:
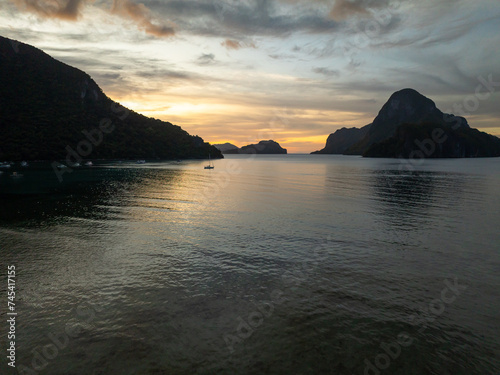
(263, 147)
(410, 125)
(342, 139)
(224, 147)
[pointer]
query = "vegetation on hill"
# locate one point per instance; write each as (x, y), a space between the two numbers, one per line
(409, 125)
(431, 140)
(48, 107)
(342, 139)
(263, 147)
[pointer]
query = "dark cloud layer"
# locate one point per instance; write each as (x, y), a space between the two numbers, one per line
(343, 9)
(326, 71)
(68, 10)
(236, 44)
(140, 14)
(206, 59)
(232, 20)
(238, 19)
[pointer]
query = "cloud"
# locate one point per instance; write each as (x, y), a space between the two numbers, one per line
(164, 74)
(235, 45)
(67, 10)
(344, 9)
(282, 56)
(141, 15)
(327, 72)
(240, 19)
(70, 10)
(206, 59)
(231, 44)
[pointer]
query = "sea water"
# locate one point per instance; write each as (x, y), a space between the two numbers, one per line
(279, 264)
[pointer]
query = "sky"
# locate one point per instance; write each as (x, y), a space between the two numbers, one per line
(293, 71)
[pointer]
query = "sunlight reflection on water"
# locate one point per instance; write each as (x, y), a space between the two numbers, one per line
(157, 263)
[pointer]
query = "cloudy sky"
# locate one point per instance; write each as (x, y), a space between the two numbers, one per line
(290, 70)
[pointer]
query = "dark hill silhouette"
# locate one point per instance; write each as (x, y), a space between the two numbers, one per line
(46, 106)
(410, 124)
(432, 140)
(223, 147)
(263, 147)
(342, 139)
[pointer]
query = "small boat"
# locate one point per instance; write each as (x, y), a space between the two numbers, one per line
(6, 165)
(210, 164)
(62, 166)
(89, 164)
(140, 162)
(24, 164)
(76, 165)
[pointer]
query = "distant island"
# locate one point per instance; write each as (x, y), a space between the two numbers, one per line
(51, 111)
(223, 147)
(263, 147)
(410, 125)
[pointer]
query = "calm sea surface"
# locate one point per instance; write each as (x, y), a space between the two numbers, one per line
(292, 264)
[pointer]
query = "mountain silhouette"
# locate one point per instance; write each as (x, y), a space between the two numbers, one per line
(263, 147)
(49, 109)
(410, 125)
(223, 147)
(342, 139)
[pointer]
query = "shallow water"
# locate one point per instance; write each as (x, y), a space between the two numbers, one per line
(289, 264)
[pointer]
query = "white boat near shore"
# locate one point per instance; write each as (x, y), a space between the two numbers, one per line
(210, 164)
